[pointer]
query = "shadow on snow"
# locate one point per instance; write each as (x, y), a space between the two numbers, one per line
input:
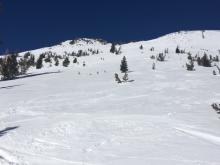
(32, 75)
(6, 130)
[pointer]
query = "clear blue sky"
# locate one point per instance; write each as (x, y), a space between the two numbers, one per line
(30, 24)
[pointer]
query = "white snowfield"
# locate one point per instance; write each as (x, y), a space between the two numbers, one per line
(56, 116)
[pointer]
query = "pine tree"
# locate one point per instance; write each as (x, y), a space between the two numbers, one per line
(214, 72)
(125, 77)
(161, 57)
(31, 61)
(56, 62)
(153, 66)
(117, 79)
(9, 67)
(205, 61)
(75, 60)
(13, 65)
(124, 65)
(189, 56)
(27, 55)
(141, 47)
(66, 62)
(23, 65)
(48, 59)
(4, 71)
(39, 63)
(177, 50)
(113, 48)
(118, 51)
(190, 65)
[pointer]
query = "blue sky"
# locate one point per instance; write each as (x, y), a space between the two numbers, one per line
(30, 24)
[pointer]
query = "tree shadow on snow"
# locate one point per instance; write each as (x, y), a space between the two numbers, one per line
(32, 75)
(11, 86)
(6, 130)
(36, 74)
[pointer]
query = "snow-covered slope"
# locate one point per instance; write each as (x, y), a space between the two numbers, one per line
(56, 116)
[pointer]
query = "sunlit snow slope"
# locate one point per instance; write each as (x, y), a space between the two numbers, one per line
(57, 116)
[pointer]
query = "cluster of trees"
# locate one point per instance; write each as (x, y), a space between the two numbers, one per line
(80, 53)
(47, 58)
(205, 61)
(11, 67)
(179, 51)
(93, 52)
(161, 57)
(114, 49)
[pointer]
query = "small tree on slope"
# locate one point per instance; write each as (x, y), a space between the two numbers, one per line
(113, 48)
(66, 62)
(124, 65)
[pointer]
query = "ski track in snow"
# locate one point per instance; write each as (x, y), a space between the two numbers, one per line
(201, 135)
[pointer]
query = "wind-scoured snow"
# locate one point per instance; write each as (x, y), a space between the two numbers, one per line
(163, 117)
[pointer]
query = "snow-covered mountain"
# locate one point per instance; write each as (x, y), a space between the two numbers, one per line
(80, 115)
(196, 41)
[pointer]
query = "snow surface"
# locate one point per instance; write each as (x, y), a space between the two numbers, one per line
(164, 117)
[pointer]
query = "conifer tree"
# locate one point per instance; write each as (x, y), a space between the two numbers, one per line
(113, 48)
(66, 62)
(178, 50)
(39, 63)
(124, 65)
(125, 77)
(13, 65)
(9, 67)
(31, 61)
(75, 60)
(141, 47)
(56, 62)
(117, 79)
(205, 61)
(23, 65)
